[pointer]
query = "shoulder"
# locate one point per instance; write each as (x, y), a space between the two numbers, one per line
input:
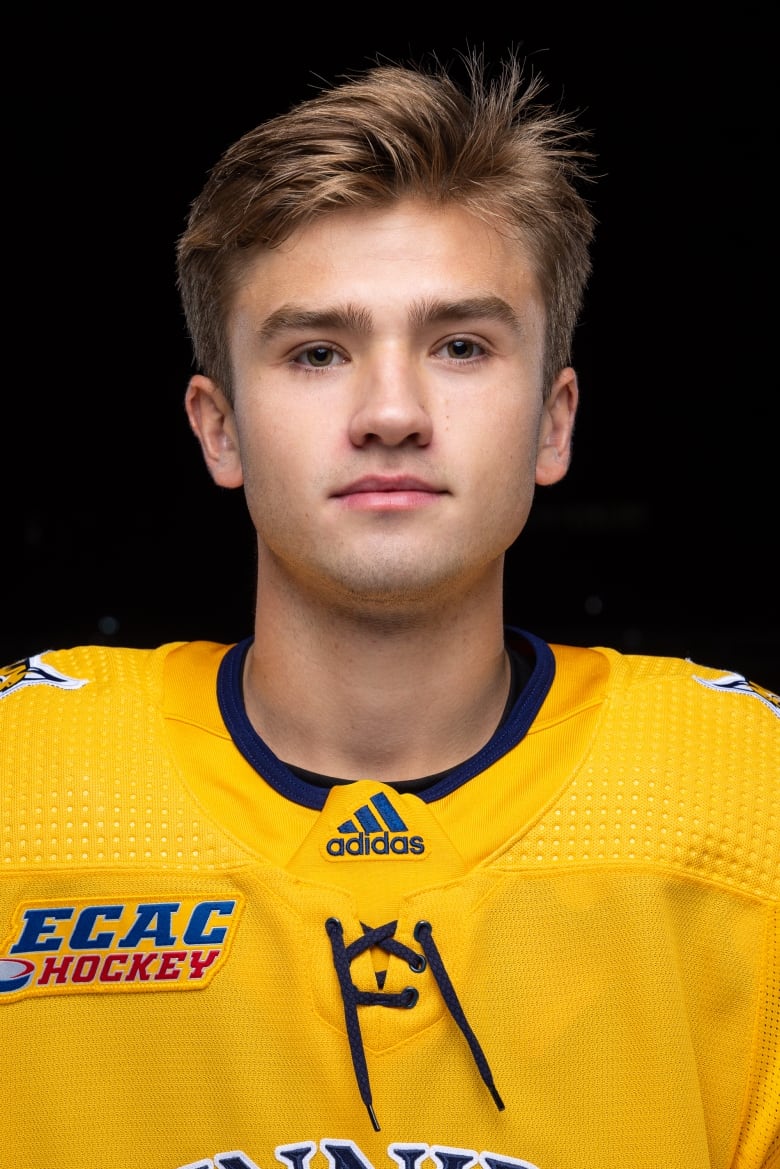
(95, 683)
(39, 677)
(717, 720)
(87, 764)
(687, 758)
(665, 683)
(696, 690)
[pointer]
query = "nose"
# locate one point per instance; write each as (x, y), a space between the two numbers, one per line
(391, 409)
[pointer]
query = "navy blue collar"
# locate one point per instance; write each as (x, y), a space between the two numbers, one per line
(259, 755)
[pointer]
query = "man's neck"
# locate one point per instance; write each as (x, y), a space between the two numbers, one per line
(353, 697)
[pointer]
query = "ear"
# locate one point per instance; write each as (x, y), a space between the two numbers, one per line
(556, 429)
(214, 425)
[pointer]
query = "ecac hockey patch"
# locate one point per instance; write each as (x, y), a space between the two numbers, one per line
(77, 946)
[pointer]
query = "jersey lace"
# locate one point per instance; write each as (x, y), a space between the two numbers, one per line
(384, 938)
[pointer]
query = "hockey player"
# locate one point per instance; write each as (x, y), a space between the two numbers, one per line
(387, 883)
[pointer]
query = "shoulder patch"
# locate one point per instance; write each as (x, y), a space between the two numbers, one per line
(33, 671)
(738, 684)
(131, 944)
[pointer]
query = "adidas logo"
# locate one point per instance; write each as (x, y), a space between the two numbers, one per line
(376, 829)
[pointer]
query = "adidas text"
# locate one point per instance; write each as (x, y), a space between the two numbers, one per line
(379, 843)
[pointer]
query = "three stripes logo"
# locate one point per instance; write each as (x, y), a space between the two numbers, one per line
(375, 829)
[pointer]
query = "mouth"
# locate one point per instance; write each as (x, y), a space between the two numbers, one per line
(388, 493)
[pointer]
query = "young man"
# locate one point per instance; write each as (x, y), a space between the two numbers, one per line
(387, 883)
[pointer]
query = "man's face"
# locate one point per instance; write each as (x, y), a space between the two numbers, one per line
(388, 423)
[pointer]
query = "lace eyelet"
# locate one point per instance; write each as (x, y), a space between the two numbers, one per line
(409, 997)
(420, 927)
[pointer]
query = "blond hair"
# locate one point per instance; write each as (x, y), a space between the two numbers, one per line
(393, 132)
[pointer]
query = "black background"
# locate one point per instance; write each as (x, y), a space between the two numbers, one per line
(662, 539)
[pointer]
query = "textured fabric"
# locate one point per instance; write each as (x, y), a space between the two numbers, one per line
(604, 897)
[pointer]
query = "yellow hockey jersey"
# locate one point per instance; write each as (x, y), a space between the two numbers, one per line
(563, 954)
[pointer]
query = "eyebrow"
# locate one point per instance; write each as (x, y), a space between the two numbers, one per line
(292, 317)
(492, 308)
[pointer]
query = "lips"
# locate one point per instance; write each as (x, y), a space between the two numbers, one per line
(388, 493)
(370, 484)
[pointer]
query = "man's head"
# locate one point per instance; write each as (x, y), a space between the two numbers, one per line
(390, 134)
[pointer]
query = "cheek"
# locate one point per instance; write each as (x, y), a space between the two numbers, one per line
(282, 468)
(264, 440)
(508, 449)
(262, 462)
(509, 468)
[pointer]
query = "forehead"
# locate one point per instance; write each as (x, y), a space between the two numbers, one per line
(386, 259)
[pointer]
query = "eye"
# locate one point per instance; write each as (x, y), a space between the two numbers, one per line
(461, 349)
(318, 357)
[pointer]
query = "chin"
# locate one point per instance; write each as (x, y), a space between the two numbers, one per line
(401, 593)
